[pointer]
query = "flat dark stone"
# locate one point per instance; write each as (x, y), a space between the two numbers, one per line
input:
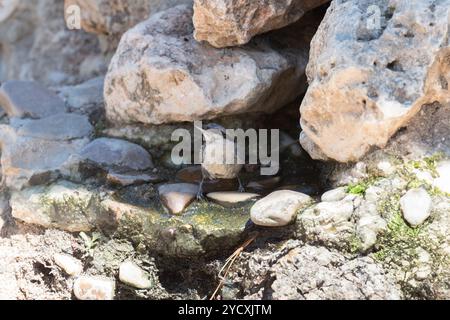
(29, 99)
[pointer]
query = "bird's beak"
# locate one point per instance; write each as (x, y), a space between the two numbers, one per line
(208, 135)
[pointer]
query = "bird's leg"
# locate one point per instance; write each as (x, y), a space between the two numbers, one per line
(241, 186)
(200, 195)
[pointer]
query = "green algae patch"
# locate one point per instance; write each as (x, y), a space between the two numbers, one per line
(205, 228)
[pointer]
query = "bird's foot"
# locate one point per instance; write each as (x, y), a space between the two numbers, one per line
(201, 196)
(241, 186)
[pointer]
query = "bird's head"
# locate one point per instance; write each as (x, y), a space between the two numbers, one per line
(212, 131)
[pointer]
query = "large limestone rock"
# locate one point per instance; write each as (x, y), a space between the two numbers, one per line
(226, 23)
(113, 18)
(368, 80)
(160, 74)
(36, 45)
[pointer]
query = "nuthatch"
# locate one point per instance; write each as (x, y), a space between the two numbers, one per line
(216, 150)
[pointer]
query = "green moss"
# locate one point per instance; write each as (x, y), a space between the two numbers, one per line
(427, 164)
(361, 187)
(68, 204)
(399, 241)
(397, 247)
(99, 128)
(355, 244)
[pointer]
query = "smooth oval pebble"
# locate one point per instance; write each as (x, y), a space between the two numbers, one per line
(231, 197)
(416, 206)
(131, 274)
(278, 208)
(69, 264)
(94, 288)
(334, 195)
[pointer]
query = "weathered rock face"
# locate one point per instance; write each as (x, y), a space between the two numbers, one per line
(39, 157)
(113, 18)
(36, 45)
(226, 23)
(29, 99)
(134, 213)
(366, 81)
(63, 205)
(296, 277)
(85, 98)
(117, 154)
(160, 74)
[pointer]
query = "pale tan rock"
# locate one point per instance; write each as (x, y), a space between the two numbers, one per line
(113, 18)
(228, 198)
(160, 74)
(416, 206)
(226, 23)
(131, 274)
(177, 196)
(367, 81)
(279, 208)
(69, 264)
(36, 45)
(94, 288)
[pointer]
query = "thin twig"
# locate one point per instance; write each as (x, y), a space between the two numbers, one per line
(229, 263)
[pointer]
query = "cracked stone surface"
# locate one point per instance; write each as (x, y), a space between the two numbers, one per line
(226, 23)
(160, 74)
(379, 77)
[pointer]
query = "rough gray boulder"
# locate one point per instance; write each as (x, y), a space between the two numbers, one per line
(113, 18)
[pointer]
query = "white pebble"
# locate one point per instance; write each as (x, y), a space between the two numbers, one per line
(416, 206)
(94, 288)
(279, 208)
(69, 264)
(132, 275)
(334, 195)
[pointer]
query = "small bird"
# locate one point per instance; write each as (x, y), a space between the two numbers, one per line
(216, 150)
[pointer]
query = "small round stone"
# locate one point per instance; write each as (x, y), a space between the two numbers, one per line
(69, 264)
(279, 208)
(416, 206)
(334, 195)
(131, 274)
